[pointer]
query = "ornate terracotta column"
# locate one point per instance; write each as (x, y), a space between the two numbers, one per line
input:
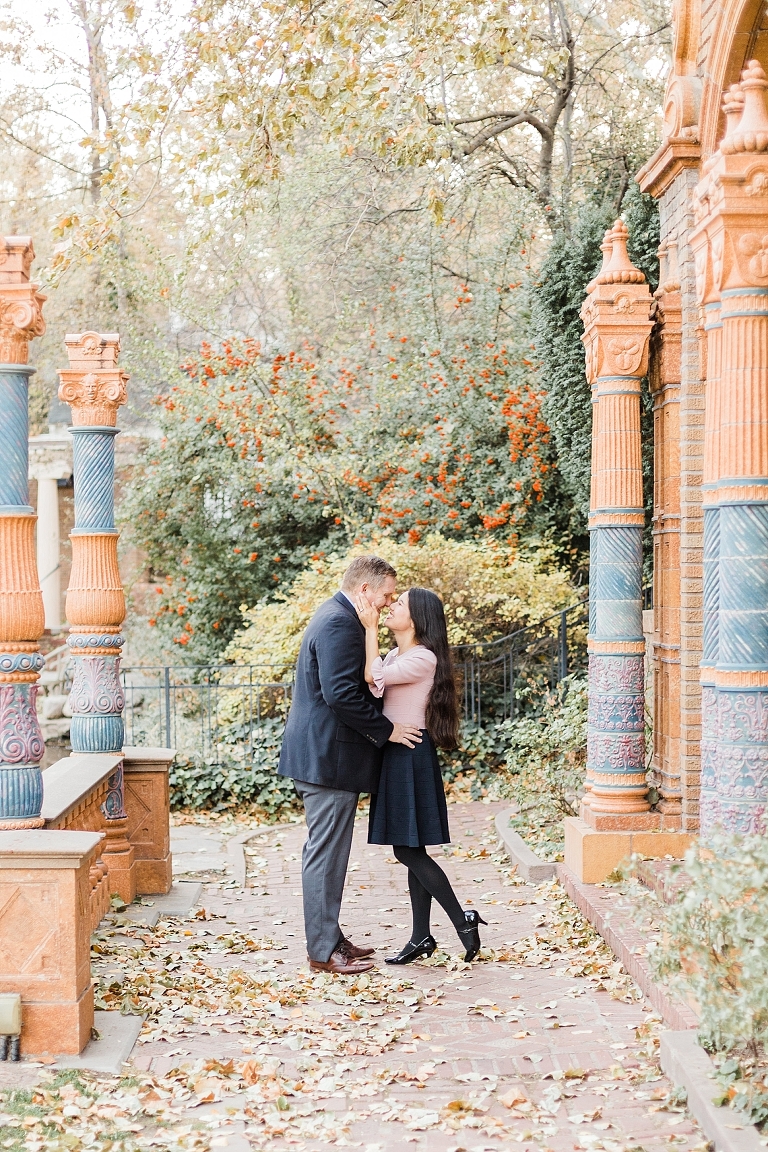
(664, 376)
(730, 241)
(21, 602)
(94, 387)
(617, 327)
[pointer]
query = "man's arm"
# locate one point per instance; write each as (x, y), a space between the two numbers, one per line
(338, 662)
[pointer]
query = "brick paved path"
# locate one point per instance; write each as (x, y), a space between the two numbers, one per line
(515, 1051)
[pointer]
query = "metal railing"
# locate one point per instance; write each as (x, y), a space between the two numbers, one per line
(198, 709)
(204, 710)
(502, 678)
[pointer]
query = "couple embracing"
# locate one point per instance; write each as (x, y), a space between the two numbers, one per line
(360, 723)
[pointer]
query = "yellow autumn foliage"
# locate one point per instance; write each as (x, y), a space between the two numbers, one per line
(487, 591)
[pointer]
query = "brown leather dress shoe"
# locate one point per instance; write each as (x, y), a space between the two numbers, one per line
(342, 962)
(356, 951)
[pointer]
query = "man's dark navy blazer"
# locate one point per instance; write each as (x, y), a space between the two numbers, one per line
(335, 730)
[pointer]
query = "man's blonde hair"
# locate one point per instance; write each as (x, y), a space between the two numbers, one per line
(366, 570)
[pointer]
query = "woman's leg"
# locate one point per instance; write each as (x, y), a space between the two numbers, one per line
(421, 907)
(431, 877)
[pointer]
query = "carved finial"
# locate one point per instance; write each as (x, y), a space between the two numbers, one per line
(751, 132)
(21, 305)
(620, 269)
(606, 248)
(733, 107)
(93, 385)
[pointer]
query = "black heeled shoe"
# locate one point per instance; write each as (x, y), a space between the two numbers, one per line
(413, 952)
(470, 936)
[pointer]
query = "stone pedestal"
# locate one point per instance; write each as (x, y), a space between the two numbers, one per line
(147, 804)
(592, 854)
(119, 855)
(45, 935)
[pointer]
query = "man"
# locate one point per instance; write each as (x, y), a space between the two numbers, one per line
(332, 749)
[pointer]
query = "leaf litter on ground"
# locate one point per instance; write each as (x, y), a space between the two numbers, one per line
(183, 983)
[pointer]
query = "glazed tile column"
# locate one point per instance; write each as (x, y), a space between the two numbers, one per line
(21, 603)
(617, 328)
(94, 387)
(730, 242)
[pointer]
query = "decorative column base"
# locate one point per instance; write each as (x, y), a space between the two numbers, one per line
(21, 742)
(620, 821)
(618, 793)
(734, 754)
(97, 695)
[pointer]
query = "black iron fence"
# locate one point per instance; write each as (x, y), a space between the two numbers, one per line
(208, 710)
(502, 678)
(198, 708)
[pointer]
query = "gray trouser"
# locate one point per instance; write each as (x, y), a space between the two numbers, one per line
(330, 822)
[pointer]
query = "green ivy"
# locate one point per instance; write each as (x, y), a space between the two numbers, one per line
(234, 777)
(572, 261)
(545, 764)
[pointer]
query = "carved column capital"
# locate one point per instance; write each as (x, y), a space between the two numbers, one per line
(93, 385)
(21, 304)
(616, 313)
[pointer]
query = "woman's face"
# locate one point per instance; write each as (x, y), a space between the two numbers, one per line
(399, 619)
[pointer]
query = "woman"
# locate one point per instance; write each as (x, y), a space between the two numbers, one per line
(409, 810)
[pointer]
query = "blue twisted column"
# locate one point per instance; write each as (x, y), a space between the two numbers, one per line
(616, 332)
(22, 618)
(96, 698)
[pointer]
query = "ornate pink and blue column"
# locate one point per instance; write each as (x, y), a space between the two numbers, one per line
(94, 387)
(617, 326)
(22, 618)
(731, 250)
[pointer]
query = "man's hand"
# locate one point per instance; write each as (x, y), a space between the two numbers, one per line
(405, 734)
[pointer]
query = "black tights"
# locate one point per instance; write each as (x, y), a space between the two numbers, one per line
(425, 880)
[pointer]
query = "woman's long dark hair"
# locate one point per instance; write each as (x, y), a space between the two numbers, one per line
(426, 612)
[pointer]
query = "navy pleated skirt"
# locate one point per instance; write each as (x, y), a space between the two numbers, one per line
(409, 807)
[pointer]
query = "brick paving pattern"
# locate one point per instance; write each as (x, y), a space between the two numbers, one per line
(499, 1054)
